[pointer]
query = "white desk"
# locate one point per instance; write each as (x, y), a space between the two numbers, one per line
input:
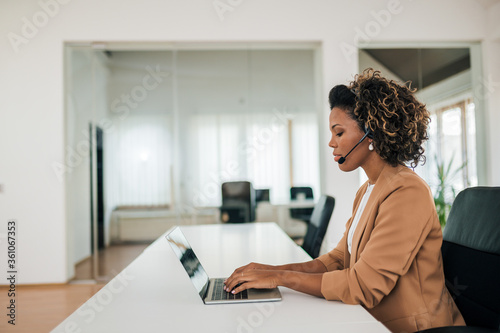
(154, 293)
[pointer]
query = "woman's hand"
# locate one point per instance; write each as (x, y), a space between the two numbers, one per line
(303, 277)
(252, 266)
(252, 276)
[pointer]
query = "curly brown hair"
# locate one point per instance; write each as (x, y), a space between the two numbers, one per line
(391, 111)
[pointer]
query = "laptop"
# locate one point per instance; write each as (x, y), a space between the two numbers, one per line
(212, 291)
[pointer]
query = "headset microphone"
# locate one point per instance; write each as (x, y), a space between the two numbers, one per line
(367, 134)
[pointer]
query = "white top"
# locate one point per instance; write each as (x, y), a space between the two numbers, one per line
(359, 212)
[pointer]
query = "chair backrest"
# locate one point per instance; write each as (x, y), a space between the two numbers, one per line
(238, 202)
(471, 255)
(301, 213)
(262, 194)
(294, 191)
(318, 224)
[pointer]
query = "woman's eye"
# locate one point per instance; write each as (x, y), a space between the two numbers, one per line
(340, 134)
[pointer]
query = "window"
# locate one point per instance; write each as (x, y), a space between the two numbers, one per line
(253, 147)
(138, 168)
(214, 116)
(452, 141)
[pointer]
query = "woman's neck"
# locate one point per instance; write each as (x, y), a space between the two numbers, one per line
(373, 168)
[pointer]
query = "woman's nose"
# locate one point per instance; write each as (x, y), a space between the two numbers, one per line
(332, 143)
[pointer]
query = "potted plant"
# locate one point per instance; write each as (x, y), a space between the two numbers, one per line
(445, 193)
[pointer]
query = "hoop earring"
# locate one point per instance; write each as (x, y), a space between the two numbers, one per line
(370, 146)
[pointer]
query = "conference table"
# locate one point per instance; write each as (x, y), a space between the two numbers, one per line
(155, 294)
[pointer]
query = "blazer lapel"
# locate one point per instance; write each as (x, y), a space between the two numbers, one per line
(382, 181)
(360, 229)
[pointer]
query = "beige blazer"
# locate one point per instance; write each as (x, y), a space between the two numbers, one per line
(395, 270)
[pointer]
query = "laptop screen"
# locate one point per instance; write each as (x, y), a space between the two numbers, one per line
(188, 258)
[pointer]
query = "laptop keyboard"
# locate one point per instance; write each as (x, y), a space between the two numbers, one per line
(220, 294)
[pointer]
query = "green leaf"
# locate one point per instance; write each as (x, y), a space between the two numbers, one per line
(444, 188)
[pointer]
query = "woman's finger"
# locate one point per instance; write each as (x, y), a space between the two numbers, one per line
(241, 270)
(241, 287)
(235, 279)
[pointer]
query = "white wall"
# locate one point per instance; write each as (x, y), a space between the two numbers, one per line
(32, 121)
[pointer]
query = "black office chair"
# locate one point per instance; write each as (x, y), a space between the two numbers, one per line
(471, 259)
(238, 202)
(262, 195)
(303, 214)
(316, 229)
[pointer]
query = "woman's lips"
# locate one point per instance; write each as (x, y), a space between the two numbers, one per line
(337, 157)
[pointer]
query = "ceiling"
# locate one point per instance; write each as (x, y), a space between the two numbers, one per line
(423, 67)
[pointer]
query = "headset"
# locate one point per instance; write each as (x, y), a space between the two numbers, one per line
(368, 133)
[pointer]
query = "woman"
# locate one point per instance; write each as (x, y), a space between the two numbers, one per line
(389, 258)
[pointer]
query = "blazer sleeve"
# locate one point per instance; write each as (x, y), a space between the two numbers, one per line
(334, 259)
(403, 219)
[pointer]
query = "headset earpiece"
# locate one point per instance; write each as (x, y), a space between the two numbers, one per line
(368, 132)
